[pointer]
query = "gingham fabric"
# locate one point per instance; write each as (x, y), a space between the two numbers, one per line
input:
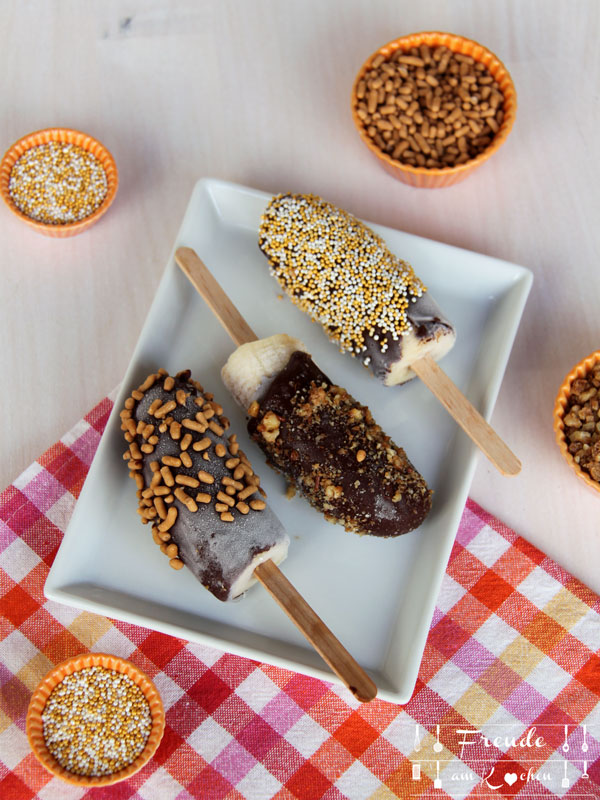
(507, 702)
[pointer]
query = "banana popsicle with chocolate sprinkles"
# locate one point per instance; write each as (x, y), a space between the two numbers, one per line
(196, 488)
(204, 504)
(369, 302)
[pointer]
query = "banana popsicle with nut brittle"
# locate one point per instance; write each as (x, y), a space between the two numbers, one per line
(326, 444)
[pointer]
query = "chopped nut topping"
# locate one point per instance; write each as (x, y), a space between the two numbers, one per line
(333, 492)
(269, 427)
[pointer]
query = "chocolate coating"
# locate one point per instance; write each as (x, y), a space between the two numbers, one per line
(313, 431)
(427, 325)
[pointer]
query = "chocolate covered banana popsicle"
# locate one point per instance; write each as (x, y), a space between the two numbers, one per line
(369, 301)
(327, 444)
(196, 487)
(198, 491)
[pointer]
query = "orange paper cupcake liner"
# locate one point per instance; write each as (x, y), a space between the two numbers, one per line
(562, 401)
(433, 178)
(34, 725)
(66, 136)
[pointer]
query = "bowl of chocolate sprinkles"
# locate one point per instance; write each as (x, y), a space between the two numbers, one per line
(95, 720)
(59, 181)
(432, 107)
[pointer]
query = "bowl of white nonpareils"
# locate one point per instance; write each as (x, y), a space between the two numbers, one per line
(58, 181)
(95, 720)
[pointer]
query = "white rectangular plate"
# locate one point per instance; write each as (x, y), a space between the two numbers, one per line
(377, 596)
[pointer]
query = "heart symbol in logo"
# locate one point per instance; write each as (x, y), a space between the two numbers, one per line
(510, 778)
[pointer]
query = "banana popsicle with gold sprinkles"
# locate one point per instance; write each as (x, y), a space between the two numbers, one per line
(369, 302)
(338, 270)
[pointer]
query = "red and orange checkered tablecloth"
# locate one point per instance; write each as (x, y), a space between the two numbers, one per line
(507, 702)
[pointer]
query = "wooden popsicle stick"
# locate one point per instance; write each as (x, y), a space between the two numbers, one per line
(216, 299)
(291, 601)
(318, 634)
(467, 416)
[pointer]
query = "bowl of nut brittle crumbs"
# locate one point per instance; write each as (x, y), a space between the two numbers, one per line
(577, 419)
(94, 720)
(432, 107)
(58, 181)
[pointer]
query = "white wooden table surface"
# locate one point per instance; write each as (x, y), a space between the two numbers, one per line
(258, 93)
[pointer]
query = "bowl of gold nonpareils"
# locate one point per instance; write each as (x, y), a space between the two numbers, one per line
(59, 181)
(577, 420)
(95, 720)
(433, 107)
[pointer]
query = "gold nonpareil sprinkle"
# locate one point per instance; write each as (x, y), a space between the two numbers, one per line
(57, 183)
(96, 721)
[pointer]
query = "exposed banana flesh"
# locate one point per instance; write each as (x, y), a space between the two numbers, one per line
(251, 367)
